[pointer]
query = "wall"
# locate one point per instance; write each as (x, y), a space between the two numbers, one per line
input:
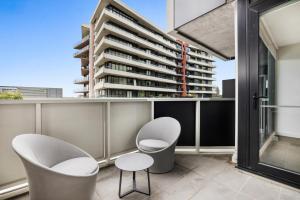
(288, 91)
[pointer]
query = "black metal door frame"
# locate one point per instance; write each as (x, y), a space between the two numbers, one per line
(248, 122)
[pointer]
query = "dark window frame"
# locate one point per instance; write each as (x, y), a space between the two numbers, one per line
(248, 141)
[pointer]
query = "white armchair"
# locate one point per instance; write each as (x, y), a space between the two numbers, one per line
(158, 139)
(56, 169)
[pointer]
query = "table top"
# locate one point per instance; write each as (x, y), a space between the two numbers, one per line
(134, 162)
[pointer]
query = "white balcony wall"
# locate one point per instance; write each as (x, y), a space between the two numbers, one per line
(84, 123)
(14, 120)
(80, 124)
(126, 119)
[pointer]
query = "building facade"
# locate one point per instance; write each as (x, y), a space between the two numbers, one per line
(34, 92)
(124, 55)
(83, 55)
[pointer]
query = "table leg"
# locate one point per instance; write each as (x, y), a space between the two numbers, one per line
(149, 187)
(134, 184)
(134, 181)
(120, 183)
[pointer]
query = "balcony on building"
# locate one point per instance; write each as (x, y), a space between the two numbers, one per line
(83, 80)
(82, 53)
(84, 42)
(81, 90)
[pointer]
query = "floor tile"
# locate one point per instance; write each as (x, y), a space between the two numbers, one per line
(214, 191)
(289, 194)
(260, 189)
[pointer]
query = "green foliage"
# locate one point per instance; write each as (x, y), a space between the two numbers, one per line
(11, 96)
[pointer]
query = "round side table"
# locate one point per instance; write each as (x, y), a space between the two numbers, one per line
(134, 162)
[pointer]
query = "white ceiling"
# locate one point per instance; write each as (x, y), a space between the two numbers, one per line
(283, 24)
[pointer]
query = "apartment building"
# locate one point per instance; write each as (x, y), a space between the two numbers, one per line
(34, 92)
(124, 55)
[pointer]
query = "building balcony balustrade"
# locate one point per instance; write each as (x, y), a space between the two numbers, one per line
(81, 90)
(84, 41)
(132, 37)
(82, 53)
(123, 20)
(83, 80)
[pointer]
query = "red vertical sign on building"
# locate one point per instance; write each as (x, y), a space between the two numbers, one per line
(184, 47)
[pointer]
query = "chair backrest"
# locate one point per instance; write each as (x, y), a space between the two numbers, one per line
(44, 150)
(163, 128)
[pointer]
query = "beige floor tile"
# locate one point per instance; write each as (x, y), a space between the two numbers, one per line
(190, 161)
(211, 167)
(214, 191)
(260, 189)
(289, 194)
(240, 196)
(232, 178)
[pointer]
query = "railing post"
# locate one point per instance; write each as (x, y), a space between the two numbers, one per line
(234, 156)
(107, 145)
(197, 129)
(38, 118)
(152, 110)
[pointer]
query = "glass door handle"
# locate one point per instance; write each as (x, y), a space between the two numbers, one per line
(255, 100)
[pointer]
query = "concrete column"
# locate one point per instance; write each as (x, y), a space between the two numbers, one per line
(91, 61)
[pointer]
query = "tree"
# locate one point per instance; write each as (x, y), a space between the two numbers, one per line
(11, 95)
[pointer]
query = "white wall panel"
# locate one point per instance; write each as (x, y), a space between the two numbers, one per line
(125, 121)
(14, 120)
(288, 91)
(81, 124)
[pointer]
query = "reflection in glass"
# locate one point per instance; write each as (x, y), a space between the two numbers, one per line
(279, 87)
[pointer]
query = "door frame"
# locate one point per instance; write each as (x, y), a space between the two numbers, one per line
(248, 121)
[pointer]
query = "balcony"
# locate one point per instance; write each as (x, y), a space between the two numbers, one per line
(128, 48)
(109, 28)
(106, 129)
(83, 53)
(81, 90)
(84, 42)
(84, 80)
(123, 21)
(132, 62)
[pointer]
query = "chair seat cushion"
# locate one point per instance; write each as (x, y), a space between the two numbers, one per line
(152, 145)
(80, 166)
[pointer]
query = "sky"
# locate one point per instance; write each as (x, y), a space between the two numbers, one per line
(37, 39)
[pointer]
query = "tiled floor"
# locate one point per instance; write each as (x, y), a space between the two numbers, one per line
(197, 178)
(284, 153)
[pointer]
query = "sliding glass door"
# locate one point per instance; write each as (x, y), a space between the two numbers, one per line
(273, 64)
